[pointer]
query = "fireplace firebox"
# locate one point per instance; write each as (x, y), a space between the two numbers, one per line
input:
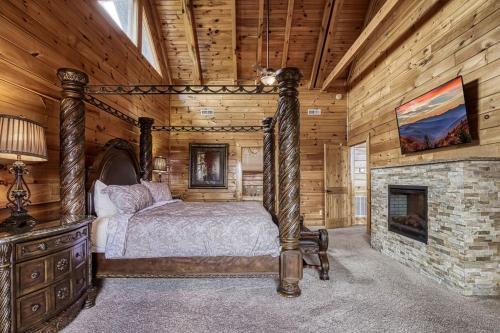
(408, 211)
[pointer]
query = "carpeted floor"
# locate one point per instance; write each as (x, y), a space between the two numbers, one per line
(368, 292)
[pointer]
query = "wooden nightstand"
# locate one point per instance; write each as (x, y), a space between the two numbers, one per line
(45, 276)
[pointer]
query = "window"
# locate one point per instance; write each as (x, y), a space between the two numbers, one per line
(148, 48)
(124, 13)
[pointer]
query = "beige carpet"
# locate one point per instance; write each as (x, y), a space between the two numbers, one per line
(368, 292)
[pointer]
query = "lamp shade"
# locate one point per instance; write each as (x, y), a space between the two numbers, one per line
(160, 164)
(22, 138)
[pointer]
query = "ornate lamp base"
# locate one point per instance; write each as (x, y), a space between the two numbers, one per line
(18, 196)
(19, 223)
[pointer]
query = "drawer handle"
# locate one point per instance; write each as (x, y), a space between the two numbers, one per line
(35, 307)
(62, 264)
(62, 293)
(35, 275)
(40, 247)
(69, 238)
(77, 255)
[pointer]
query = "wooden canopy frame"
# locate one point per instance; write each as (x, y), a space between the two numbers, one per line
(75, 93)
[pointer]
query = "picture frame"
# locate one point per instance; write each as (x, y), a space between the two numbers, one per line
(208, 165)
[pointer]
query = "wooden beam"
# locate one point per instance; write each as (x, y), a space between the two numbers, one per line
(192, 41)
(260, 32)
(368, 16)
(288, 29)
(327, 12)
(234, 41)
(332, 29)
(361, 41)
(158, 40)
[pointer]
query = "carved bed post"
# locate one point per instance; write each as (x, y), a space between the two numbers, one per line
(5, 292)
(146, 148)
(72, 144)
(289, 181)
(269, 193)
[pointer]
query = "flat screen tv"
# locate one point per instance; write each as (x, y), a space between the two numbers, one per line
(434, 120)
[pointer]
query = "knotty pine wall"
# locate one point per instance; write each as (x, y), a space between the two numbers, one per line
(420, 47)
(36, 38)
(236, 110)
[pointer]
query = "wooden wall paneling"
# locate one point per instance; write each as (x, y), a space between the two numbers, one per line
(325, 24)
(294, 31)
(363, 38)
(260, 32)
(38, 37)
(305, 35)
(288, 30)
(327, 49)
(246, 15)
(174, 33)
(192, 40)
(235, 110)
(214, 33)
(462, 38)
(159, 41)
(234, 40)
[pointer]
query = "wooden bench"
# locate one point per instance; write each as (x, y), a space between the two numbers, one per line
(315, 243)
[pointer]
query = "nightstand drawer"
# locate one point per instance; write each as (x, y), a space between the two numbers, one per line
(32, 309)
(38, 273)
(61, 294)
(44, 246)
(79, 254)
(32, 275)
(61, 264)
(79, 281)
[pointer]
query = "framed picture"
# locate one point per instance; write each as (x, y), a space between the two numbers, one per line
(208, 165)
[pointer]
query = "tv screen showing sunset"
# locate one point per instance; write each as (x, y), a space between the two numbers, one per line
(435, 119)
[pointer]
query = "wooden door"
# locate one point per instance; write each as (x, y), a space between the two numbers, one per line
(336, 186)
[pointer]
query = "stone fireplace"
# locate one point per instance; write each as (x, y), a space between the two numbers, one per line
(441, 218)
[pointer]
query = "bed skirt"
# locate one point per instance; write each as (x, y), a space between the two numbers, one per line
(186, 267)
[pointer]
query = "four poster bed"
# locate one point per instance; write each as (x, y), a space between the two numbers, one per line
(173, 239)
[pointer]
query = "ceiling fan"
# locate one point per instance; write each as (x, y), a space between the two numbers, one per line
(267, 74)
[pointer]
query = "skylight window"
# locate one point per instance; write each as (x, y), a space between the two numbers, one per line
(124, 13)
(148, 48)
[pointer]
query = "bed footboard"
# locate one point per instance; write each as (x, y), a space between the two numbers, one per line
(187, 267)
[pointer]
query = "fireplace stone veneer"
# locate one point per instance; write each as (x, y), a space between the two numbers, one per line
(463, 247)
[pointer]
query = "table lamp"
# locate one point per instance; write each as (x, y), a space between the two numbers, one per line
(160, 166)
(20, 140)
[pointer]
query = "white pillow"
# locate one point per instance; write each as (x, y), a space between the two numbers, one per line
(159, 191)
(103, 205)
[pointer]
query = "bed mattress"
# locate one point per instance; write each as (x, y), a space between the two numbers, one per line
(189, 229)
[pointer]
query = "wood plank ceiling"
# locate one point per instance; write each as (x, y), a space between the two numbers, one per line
(217, 41)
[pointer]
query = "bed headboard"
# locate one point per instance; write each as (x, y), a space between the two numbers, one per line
(115, 164)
